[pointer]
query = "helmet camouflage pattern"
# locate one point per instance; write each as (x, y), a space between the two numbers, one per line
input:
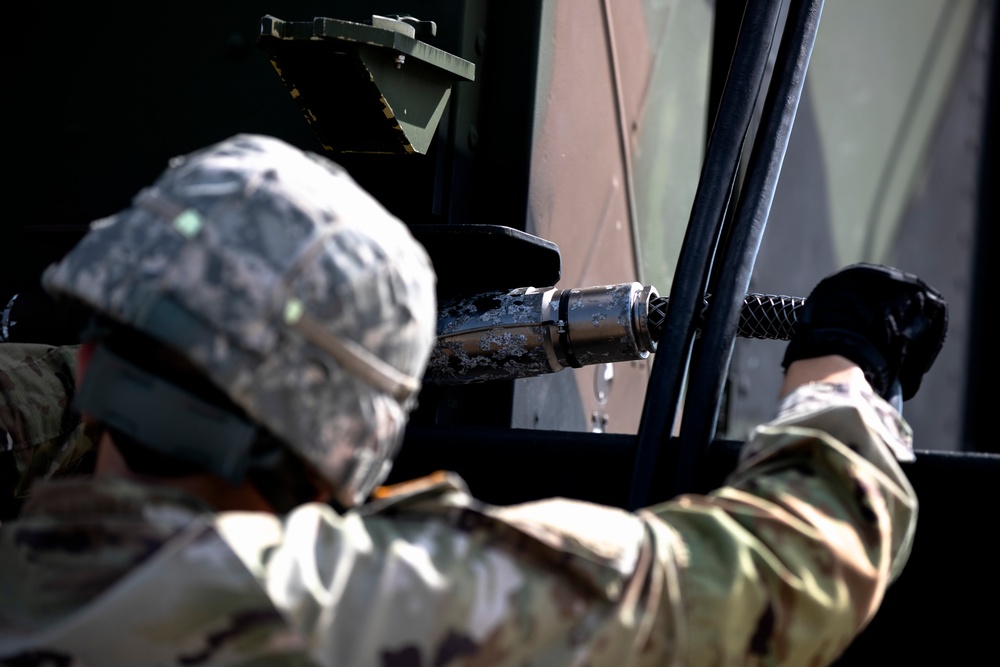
(286, 284)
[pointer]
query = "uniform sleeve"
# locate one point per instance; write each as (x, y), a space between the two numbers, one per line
(787, 562)
(782, 566)
(41, 437)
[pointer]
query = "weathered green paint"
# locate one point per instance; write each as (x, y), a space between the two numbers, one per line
(399, 86)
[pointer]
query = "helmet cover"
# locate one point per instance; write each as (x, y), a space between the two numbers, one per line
(286, 284)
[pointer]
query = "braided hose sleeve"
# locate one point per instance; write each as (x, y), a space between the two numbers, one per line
(764, 316)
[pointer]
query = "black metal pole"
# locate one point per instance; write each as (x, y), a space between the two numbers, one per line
(708, 376)
(701, 238)
(981, 354)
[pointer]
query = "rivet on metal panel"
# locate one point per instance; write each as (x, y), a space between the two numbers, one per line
(598, 422)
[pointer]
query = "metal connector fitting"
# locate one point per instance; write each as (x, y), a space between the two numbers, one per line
(529, 331)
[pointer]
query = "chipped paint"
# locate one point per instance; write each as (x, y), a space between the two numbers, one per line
(520, 333)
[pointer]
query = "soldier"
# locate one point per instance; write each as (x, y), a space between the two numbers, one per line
(261, 325)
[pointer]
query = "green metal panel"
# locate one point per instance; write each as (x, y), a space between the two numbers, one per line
(880, 74)
(397, 86)
(670, 140)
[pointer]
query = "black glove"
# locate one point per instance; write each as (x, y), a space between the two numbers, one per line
(890, 323)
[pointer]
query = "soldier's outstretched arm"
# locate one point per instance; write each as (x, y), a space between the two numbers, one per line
(791, 559)
(783, 565)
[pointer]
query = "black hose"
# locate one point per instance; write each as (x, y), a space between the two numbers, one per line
(701, 408)
(762, 316)
(715, 186)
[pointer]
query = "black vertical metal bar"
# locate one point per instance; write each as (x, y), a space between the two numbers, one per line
(709, 372)
(981, 359)
(701, 237)
(725, 32)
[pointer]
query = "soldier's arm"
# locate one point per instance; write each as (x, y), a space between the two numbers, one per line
(782, 566)
(789, 561)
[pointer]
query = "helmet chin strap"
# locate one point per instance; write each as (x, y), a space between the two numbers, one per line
(145, 407)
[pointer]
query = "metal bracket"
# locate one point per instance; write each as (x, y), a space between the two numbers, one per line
(365, 88)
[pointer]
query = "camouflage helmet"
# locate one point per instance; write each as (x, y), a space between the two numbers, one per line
(286, 285)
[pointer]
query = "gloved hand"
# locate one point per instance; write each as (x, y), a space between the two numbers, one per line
(890, 323)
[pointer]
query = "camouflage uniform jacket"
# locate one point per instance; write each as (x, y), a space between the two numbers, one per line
(782, 566)
(41, 436)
